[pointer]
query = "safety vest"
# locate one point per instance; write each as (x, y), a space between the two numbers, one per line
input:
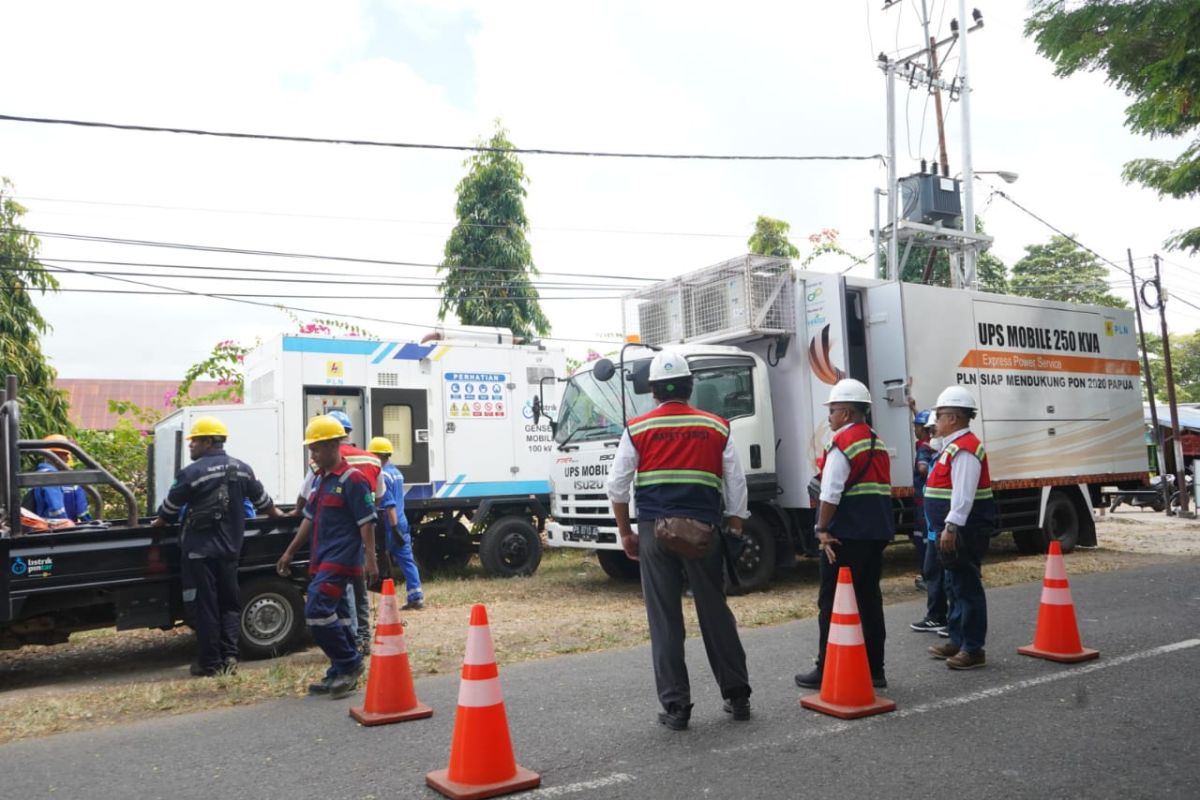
(940, 486)
(680, 451)
(865, 510)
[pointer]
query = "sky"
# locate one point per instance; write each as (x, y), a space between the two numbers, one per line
(755, 78)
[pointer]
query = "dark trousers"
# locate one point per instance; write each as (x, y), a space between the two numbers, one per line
(967, 622)
(864, 557)
(327, 612)
(662, 587)
(935, 584)
(361, 625)
(211, 586)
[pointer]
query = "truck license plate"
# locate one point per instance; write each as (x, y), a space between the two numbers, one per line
(584, 533)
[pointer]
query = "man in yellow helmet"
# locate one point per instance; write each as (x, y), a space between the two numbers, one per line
(399, 539)
(214, 488)
(340, 519)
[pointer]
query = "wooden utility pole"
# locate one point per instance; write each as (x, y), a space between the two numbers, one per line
(1180, 472)
(1158, 437)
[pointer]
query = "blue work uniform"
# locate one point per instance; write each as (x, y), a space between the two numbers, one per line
(210, 548)
(399, 542)
(60, 502)
(341, 502)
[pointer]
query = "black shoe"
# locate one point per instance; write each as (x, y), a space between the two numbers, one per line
(810, 680)
(919, 583)
(320, 688)
(364, 647)
(928, 626)
(229, 666)
(343, 685)
(739, 707)
(879, 681)
(413, 605)
(676, 717)
(198, 671)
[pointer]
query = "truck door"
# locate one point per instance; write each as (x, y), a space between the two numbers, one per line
(888, 375)
(402, 416)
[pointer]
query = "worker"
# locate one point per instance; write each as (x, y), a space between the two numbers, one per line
(684, 464)
(213, 487)
(854, 523)
(340, 518)
(921, 458)
(959, 503)
(369, 465)
(398, 538)
(934, 619)
(59, 502)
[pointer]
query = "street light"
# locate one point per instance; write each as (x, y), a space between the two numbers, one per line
(1003, 174)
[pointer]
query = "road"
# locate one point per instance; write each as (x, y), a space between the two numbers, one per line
(1122, 726)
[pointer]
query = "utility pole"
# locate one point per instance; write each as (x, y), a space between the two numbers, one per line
(1158, 438)
(1180, 473)
(893, 190)
(968, 173)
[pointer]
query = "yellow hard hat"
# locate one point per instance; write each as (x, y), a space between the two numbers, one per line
(58, 437)
(323, 428)
(380, 444)
(207, 426)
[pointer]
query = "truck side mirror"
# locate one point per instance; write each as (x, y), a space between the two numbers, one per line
(639, 376)
(537, 409)
(604, 370)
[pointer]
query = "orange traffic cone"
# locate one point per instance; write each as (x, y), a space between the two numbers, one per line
(846, 689)
(1057, 634)
(390, 693)
(481, 755)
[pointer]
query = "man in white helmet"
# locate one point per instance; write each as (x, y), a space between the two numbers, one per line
(687, 474)
(855, 522)
(960, 508)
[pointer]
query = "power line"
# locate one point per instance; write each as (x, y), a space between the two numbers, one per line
(172, 292)
(415, 146)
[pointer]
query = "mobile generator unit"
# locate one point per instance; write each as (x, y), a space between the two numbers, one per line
(1058, 388)
(457, 408)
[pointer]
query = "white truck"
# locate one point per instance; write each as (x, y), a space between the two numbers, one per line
(457, 407)
(1058, 388)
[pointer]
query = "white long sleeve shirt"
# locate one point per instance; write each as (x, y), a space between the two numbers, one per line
(965, 470)
(835, 473)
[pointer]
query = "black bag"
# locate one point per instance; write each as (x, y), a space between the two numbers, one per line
(684, 536)
(205, 515)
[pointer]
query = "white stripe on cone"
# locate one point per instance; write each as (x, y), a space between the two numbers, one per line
(846, 635)
(389, 646)
(1054, 596)
(479, 646)
(844, 601)
(1056, 569)
(480, 693)
(388, 613)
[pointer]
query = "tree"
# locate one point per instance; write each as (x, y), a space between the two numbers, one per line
(1062, 270)
(488, 262)
(770, 238)
(1148, 49)
(1185, 363)
(43, 407)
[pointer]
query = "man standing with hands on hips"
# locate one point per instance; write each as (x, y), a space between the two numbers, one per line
(960, 508)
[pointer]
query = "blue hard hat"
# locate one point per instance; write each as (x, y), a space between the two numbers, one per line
(342, 419)
(921, 418)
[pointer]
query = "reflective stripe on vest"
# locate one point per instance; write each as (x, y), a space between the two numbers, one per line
(677, 421)
(941, 472)
(695, 476)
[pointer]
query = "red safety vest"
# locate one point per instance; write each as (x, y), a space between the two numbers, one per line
(865, 510)
(940, 486)
(680, 463)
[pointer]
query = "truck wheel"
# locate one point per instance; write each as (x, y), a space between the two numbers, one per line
(1029, 543)
(757, 563)
(272, 617)
(442, 547)
(619, 566)
(510, 546)
(1062, 521)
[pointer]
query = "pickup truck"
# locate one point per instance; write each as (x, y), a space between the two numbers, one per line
(123, 574)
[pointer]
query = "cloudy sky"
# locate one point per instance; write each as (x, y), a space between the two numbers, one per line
(753, 78)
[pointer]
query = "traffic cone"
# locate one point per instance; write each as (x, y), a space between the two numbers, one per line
(481, 755)
(1057, 634)
(846, 689)
(390, 693)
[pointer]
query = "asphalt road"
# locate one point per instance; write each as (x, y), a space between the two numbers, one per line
(1123, 726)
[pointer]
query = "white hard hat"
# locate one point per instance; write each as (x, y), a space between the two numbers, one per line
(848, 390)
(956, 397)
(667, 365)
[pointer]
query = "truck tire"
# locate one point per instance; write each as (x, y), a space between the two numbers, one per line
(272, 619)
(1062, 521)
(619, 566)
(1029, 543)
(510, 547)
(757, 563)
(442, 546)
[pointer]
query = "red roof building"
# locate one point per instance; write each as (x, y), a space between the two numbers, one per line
(89, 398)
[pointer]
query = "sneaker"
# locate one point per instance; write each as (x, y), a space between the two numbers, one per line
(928, 626)
(947, 650)
(322, 687)
(879, 681)
(413, 605)
(676, 717)
(229, 666)
(739, 707)
(344, 684)
(364, 647)
(810, 680)
(965, 660)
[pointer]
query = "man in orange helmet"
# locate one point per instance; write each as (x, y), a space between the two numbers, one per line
(59, 502)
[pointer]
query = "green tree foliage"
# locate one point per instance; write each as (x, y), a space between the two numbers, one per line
(488, 262)
(224, 365)
(1149, 49)
(770, 238)
(43, 408)
(1185, 363)
(123, 452)
(1061, 270)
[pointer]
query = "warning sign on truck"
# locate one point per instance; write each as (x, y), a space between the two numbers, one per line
(479, 395)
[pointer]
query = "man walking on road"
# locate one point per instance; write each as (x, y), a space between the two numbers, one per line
(684, 465)
(340, 517)
(959, 504)
(371, 468)
(854, 523)
(214, 488)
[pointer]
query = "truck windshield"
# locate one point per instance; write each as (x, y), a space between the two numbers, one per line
(591, 409)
